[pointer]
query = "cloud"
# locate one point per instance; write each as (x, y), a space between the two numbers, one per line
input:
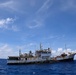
(40, 15)
(13, 5)
(57, 52)
(5, 22)
(46, 5)
(60, 49)
(10, 5)
(54, 37)
(67, 5)
(53, 7)
(6, 50)
(34, 24)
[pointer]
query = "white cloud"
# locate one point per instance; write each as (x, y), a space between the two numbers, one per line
(45, 6)
(57, 52)
(34, 24)
(13, 5)
(9, 5)
(5, 22)
(6, 50)
(60, 49)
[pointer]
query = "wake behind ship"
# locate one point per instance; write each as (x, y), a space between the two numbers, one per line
(40, 56)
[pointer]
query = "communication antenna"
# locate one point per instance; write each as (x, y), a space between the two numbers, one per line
(19, 52)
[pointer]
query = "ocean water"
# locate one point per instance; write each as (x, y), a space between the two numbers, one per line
(60, 68)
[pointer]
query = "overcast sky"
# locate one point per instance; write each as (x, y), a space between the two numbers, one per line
(24, 24)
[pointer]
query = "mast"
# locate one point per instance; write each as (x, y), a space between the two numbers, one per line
(19, 52)
(65, 47)
(40, 46)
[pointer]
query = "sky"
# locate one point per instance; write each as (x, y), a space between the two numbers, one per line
(24, 24)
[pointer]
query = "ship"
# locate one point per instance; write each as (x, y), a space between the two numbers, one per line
(40, 56)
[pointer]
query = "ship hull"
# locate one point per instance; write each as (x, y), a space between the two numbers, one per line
(66, 58)
(24, 63)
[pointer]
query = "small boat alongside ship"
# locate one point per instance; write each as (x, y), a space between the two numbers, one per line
(40, 56)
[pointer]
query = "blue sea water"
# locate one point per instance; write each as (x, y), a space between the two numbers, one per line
(60, 68)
